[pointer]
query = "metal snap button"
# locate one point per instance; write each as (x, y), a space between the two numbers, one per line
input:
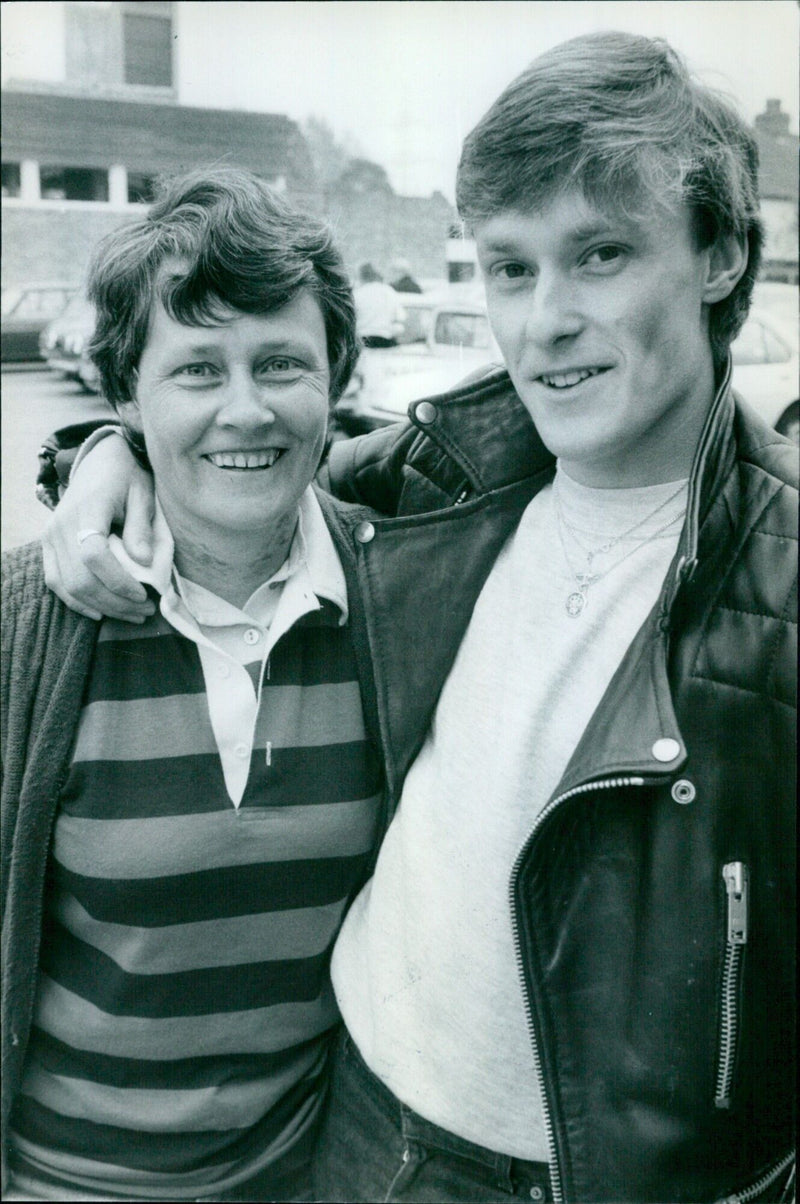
(666, 749)
(536, 1193)
(425, 413)
(365, 532)
(683, 791)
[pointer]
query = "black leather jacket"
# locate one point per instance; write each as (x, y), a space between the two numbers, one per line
(653, 903)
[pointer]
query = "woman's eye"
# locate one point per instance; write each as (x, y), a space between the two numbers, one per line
(197, 371)
(280, 365)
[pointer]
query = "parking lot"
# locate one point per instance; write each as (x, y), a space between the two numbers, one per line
(35, 402)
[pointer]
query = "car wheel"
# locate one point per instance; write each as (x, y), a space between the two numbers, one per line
(789, 422)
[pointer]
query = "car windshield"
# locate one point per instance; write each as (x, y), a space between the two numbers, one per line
(462, 330)
(79, 307)
(757, 345)
(10, 298)
(416, 323)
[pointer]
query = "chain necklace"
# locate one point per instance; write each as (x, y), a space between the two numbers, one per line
(577, 599)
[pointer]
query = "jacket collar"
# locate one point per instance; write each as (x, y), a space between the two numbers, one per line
(486, 425)
(486, 430)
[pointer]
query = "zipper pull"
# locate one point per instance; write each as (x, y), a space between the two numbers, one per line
(735, 875)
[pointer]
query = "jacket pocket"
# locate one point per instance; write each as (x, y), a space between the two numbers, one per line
(776, 1183)
(736, 880)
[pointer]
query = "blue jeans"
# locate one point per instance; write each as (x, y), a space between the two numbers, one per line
(374, 1148)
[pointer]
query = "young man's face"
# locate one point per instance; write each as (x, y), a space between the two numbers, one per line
(603, 325)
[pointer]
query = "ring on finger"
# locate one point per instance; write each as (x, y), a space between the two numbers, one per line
(83, 535)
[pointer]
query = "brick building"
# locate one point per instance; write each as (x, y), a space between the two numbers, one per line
(778, 163)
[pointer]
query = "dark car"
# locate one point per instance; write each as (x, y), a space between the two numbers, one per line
(26, 310)
(63, 340)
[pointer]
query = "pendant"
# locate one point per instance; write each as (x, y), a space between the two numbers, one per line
(575, 604)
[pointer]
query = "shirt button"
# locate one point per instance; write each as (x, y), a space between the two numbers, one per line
(251, 636)
(666, 749)
(223, 670)
(241, 750)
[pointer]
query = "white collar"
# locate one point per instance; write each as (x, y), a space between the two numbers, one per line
(312, 547)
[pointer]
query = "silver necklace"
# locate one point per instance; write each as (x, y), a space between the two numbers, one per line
(577, 599)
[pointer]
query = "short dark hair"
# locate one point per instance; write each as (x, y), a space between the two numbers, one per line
(244, 249)
(620, 117)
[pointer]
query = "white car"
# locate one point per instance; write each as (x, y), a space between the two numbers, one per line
(765, 370)
(442, 342)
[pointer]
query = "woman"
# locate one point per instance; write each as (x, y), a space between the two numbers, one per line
(189, 805)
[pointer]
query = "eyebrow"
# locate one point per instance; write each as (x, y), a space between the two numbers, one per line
(276, 346)
(601, 228)
(593, 229)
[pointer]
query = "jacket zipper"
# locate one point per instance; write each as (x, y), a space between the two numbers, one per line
(767, 1179)
(736, 885)
(555, 1178)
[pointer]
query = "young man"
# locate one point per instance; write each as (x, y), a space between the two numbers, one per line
(571, 975)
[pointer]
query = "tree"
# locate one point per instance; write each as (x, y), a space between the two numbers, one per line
(363, 176)
(330, 155)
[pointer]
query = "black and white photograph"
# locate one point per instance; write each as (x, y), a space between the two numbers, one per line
(399, 600)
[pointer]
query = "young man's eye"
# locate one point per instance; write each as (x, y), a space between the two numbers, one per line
(509, 271)
(609, 253)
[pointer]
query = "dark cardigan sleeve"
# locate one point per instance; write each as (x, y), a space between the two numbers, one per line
(46, 657)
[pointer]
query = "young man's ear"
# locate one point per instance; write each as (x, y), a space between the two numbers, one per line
(727, 260)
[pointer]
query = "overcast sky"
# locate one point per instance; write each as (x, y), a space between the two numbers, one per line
(408, 78)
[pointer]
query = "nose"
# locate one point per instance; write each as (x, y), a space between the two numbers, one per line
(553, 311)
(246, 403)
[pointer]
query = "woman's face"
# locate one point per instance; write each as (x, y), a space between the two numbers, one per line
(234, 416)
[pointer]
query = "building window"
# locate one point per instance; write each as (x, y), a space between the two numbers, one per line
(11, 179)
(73, 184)
(147, 41)
(141, 188)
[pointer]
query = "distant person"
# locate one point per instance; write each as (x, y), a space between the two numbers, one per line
(402, 280)
(378, 311)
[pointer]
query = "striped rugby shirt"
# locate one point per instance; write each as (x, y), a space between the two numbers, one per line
(184, 1004)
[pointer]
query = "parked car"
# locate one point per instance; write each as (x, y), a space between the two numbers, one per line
(449, 341)
(63, 341)
(765, 370)
(26, 310)
(88, 374)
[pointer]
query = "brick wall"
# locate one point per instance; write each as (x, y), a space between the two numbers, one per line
(53, 244)
(380, 226)
(50, 243)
